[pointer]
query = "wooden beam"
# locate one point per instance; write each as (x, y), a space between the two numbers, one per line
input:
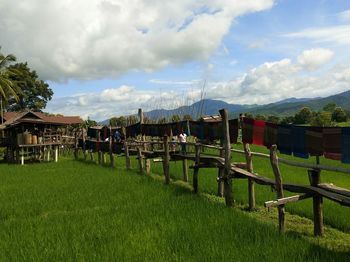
(278, 185)
(335, 189)
(282, 201)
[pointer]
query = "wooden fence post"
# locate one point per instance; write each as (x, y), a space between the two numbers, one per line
(111, 157)
(278, 185)
(196, 168)
(147, 161)
(75, 145)
(221, 174)
(251, 189)
(185, 170)
(127, 156)
(166, 160)
(227, 146)
(315, 179)
(99, 157)
(140, 159)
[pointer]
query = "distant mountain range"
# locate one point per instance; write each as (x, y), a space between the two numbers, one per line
(281, 108)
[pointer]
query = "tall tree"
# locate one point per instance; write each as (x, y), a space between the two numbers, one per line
(303, 116)
(7, 87)
(35, 92)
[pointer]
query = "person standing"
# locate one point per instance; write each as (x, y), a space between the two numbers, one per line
(183, 140)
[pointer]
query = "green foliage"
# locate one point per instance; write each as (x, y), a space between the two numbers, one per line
(187, 117)
(162, 120)
(175, 118)
(273, 119)
(339, 115)
(322, 119)
(7, 86)
(35, 93)
(330, 107)
(303, 116)
(87, 123)
(118, 121)
(260, 117)
(130, 120)
(287, 120)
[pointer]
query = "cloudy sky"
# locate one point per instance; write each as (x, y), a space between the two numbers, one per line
(107, 58)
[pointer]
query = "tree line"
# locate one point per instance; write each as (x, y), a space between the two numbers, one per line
(330, 115)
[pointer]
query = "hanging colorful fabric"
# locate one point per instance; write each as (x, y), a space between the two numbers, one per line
(233, 129)
(314, 140)
(284, 139)
(270, 134)
(345, 135)
(258, 132)
(298, 138)
(332, 143)
(247, 130)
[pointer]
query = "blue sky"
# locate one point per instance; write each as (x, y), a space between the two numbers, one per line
(106, 58)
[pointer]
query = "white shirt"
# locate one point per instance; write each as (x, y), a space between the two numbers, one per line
(182, 138)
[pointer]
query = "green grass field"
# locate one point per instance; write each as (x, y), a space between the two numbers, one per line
(76, 210)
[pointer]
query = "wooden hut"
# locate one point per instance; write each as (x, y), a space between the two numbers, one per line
(33, 134)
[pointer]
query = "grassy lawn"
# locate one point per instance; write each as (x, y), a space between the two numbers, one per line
(75, 210)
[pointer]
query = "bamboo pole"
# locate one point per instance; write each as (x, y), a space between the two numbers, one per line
(279, 186)
(315, 179)
(166, 160)
(227, 145)
(251, 189)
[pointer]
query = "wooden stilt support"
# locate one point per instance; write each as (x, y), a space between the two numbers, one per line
(166, 160)
(127, 156)
(279, 187)
(111, 157)
(56, 154)
(185, 170)
(227, 146)
(196, 168)
(251, 189)
(84, 145)
(315, 179)
(99, 157)
(22, 156)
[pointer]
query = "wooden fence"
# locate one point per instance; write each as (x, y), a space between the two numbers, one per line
(228, 171)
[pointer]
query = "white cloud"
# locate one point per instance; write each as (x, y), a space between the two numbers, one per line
(266, 83)
(102, 38)
(339, 34)
(344, 16)
(315, 58)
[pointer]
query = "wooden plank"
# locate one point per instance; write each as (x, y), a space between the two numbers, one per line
(335, 189)
(286, 200)
(278, 185)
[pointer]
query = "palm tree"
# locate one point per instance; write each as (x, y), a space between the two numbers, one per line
(7, 87)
